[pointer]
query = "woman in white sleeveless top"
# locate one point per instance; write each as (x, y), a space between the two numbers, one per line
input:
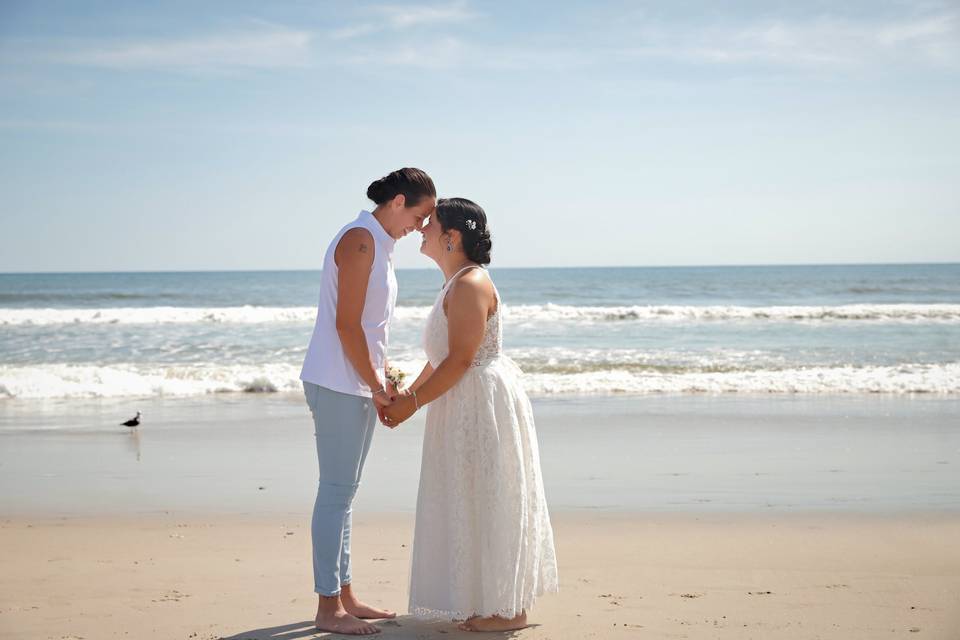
(483, 546)
(344, 380)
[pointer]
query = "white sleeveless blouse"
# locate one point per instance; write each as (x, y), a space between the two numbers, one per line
(326, 364)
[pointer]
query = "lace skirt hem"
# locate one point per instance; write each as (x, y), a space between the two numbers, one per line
(428, 613)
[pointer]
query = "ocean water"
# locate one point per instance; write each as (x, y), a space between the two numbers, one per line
(878, 329)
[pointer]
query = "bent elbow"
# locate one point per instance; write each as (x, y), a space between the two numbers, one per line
(345, 328)
(462, 363)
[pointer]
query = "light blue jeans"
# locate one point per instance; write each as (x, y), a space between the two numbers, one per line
(344, 429)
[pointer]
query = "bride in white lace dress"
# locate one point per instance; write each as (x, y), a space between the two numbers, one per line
(483, 546)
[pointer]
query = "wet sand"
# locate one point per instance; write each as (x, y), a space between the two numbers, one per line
(256, 454)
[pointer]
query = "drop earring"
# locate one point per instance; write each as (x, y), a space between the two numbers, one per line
(449, 246)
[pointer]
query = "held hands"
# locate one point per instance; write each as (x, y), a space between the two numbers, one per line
(383, 398)
(402, 408)
(386, 396)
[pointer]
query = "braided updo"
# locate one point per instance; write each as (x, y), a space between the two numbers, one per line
(470, 220)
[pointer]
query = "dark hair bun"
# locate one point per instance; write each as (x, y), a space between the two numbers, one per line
(480, 251)
(414, 184)
(377, 190)
(471, 221)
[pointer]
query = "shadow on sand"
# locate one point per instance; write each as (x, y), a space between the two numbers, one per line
(402, 627)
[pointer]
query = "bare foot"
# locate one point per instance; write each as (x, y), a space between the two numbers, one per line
(494, 623)
(361, 609)
(331, 616)
(343, 622)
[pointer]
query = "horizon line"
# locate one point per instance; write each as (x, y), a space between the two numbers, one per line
(677, 266)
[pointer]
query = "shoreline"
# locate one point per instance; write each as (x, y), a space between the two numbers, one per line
(651, 454)
(27, 402)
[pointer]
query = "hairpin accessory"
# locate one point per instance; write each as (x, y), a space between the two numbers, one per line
(471, 224)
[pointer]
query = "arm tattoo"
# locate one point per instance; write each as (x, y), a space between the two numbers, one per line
(363, 248)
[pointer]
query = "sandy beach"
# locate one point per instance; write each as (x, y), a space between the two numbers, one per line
(736, 517)
(622, 575)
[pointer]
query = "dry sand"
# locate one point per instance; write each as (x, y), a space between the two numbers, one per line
(622, 576)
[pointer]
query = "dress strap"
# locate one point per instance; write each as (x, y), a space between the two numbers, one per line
(454, 276)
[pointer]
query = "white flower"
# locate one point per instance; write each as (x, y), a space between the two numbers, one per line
(471, 224)
(395, 376)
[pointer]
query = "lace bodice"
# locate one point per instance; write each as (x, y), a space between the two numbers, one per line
(435, 337)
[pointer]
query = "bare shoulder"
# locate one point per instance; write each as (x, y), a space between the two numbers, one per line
(473, 285)
(356, 237)
(355, 247)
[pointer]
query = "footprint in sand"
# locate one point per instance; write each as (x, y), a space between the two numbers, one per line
(172, 596)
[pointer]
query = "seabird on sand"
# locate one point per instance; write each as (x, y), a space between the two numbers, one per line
(134, 421)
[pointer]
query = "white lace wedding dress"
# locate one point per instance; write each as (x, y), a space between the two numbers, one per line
(483, 543)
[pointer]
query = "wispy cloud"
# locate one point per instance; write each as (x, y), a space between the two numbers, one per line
(263, 48)
(401, 17)
(260, 128)
(440, 53)
(353, 31)
(451, 53)
(817, 42)
(821, 42)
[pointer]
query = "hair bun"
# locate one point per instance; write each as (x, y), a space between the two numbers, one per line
(413, 184)
(376, 190)
(480, 251)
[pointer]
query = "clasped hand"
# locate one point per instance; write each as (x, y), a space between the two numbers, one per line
(399, 409)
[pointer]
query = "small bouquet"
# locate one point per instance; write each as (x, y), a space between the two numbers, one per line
(395, 376)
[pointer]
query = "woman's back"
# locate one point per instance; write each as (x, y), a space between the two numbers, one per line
(436, 332)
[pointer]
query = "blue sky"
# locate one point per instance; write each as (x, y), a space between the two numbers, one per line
(242, 135)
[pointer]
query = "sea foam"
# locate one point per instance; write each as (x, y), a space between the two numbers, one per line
(79, 381)
(874, 313)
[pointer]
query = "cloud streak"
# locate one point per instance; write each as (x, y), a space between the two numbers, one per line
(403, 17)
(820, 44)
(269, 48)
